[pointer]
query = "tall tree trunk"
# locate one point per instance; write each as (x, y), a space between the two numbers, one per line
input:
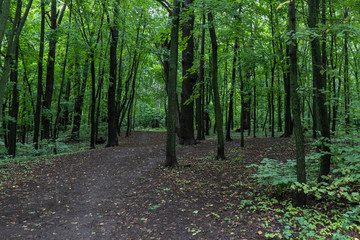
(287, 100)
(320, 87)
(171, 159)
(218, 111)
(346, 78)
(299, 136)
(200, 100)
(50, 70)
(273, 68)
(232, 91)
(186, 131)
(15, 103)
(112, 123)
(93, 99)
(4, 16)
(39, 78)
(79, 100)
(242, 113)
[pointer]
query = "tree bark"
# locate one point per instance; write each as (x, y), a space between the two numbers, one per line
(112, 123)
(79, 100)
(186, 131)
(200, 103)
(218, 111)
(39, 78)
(171, 160)
(299, 136)
(232, 91)
(15, 103)
(50, 70)
(12, 39)
(319, 79)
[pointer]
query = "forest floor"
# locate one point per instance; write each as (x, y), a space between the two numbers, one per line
(124, 193)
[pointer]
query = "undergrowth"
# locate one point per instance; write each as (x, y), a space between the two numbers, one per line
(333, 211)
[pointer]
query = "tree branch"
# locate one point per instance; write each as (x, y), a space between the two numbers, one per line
(166, 5)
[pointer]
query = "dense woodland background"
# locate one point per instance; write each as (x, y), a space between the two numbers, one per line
(77, 69)
(90, 71)
(70, 69)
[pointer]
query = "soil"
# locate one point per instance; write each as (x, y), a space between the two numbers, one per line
(124, 193)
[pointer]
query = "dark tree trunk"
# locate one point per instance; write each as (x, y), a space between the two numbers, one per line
(320, 87)
(15, 103)
(299, 136)
(279, 108)
(242, 113)
(186, 131)
(288, 120)
(93, 99)
(200, 100)
(232, 91)
(63, 81)
(40, 76)
(346, 79)
(100, 83)
(171, 160)
(112, 121)
(218, 111)
(273, 68)
(79, 100)
(50, 70)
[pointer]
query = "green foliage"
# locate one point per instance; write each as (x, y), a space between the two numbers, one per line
(280, 175)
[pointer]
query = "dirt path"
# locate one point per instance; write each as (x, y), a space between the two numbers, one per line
(119, 193)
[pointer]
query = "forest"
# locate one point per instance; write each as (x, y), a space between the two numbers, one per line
(261, 95)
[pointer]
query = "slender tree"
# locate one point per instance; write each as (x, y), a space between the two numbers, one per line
(39, 78)
(299, 136)
(232, 91)
(218, 111)
(319, 79)
(112, 124)
(171, 159)
(12, 39)
(186, 131)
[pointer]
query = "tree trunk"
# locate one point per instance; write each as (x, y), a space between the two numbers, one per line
(232, 91)
(346, 79)
(15, 103)
(79, 100)
(112, 123)
(50, 70)
(299, 136)
(171, 160)
(12, 39)
(200, 103)
(39, 78)
(287, 100)
(218, 111)
(320, 88)
(4, 16)
(186, 131)
(93, 99)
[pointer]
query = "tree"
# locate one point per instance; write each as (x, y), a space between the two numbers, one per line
(171, 160)
(319, 79)
(186, 132)
(299, 136)
(39, 78)
(114, 31)
(12, 39)
(218, 111)
(55, 21)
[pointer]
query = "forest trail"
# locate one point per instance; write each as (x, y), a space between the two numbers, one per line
(122, 193)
